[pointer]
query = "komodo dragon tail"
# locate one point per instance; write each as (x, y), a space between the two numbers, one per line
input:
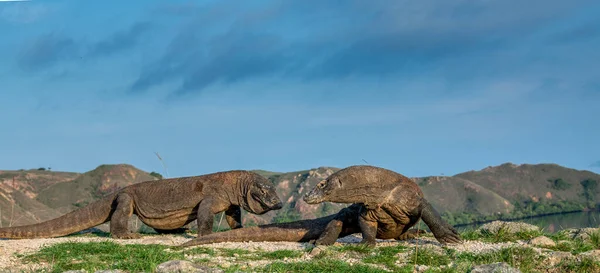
(297, 231)
(89, 216)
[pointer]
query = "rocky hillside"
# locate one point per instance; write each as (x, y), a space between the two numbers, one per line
(30, 196)
(505, 191)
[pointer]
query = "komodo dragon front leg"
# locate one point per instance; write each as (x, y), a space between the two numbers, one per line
(119, 220)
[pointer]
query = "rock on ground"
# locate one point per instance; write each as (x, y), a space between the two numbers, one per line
(583, 234)
(542, 241)
(511, 227)
(181, 266)
(494, 268)
(592, 254)
(556, 257)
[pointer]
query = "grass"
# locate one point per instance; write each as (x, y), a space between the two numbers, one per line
(584, 266)
(385, 256)
(280, 254)
(321, 265)
(575, 246)
(595, 239)
(429, 257)
(503, 235)
(102, 255)
(359, 248)
(524, 258)
(347, 258)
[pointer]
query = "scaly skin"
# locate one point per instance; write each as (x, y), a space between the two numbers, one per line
(393, 202)
(325, 230)
(166, 205)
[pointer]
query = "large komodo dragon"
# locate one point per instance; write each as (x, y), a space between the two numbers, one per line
(324, 230)
(165, 205)
(393, 202)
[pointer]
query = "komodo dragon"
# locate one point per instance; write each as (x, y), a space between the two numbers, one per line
(324, 230)
(394, 203)
(165, 205)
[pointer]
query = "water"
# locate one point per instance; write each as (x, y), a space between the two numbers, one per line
(557, 222)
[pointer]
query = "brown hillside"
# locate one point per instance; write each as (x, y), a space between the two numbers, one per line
(540, 182)
(18, 190)
(456, 195)
(33, 196)
(91, 186)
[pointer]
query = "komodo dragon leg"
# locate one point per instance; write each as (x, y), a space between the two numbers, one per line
(205, 217)
(233, 215)
(119, 220)
(331, 233)
(368, 229)
(442, 231)
(343, 222)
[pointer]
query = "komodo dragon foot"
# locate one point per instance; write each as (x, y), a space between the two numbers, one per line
(447, 235)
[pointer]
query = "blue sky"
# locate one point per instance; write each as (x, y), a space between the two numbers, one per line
(421, 87)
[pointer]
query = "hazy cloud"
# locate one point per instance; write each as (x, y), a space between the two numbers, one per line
(119, 41)
(327, 40)
(47, 50)
(50, 49)
(596, 164)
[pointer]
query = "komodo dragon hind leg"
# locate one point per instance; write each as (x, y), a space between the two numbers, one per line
(233, 215)
(119, 220)
(442, 231)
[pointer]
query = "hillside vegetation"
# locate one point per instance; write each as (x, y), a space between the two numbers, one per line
(500, 192)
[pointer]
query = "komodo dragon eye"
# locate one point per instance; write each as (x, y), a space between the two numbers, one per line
(321, 184)
(263, 191)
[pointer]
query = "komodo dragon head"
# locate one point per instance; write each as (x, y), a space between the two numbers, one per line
(261, 196)
(324, 190)
(355, 184)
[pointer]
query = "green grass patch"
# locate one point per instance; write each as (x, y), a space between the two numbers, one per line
(359, 248)
(324, 265)
(559, 236)
(425, 256)
(95, 256)
(200, 250)
(584, 266)
(280, 254)
(595, 239)
(524, 258)
(385, 256)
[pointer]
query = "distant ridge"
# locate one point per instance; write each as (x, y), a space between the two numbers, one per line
(504, 191)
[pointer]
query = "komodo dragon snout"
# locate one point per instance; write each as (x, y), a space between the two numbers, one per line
(322, 190)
